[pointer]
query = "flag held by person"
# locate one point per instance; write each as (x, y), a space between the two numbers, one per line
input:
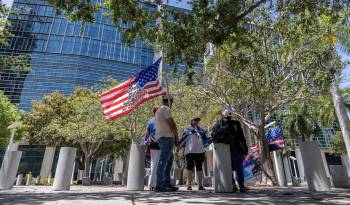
(127, 96)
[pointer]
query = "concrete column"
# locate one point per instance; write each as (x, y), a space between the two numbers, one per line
(314, 169)
(64, 169)
(300, 163)
(9, 169)
(136, 170)
(118, 170)
(29, 180)
(345, 160)
(278, 166)
(222, 168)
(19, 180)
(287, 170)
(325, 164)
(46, 165)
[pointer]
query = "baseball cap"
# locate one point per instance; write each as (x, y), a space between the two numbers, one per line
(195, 118)
(168, 97)
(227, 113)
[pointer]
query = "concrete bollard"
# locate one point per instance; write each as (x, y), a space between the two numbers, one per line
(222, 168)
(64, 169)
(38, 180)
(314, 169)
(29, 180)
(300, 163)
(19, 180)
(278, 166)
(46, 165)
(287, 170)
(136, 171)
(9, 169)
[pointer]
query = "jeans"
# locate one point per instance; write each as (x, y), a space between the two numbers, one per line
(237, 165)
(165, 163)
(155, 153)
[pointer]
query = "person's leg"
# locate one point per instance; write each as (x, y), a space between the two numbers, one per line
(240, 176)
(162, 163)
(199, 159)
(154, 163)
(189, 169)
(169, 161)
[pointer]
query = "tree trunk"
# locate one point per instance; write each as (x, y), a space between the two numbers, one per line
(266, 161)
(87, 164)
(342, 115)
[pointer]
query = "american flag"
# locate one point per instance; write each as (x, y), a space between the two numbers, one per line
(124, 98)
(275, 138)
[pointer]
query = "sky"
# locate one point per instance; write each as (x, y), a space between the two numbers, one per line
(7, 2)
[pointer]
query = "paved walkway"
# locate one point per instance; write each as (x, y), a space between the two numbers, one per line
(95, 195)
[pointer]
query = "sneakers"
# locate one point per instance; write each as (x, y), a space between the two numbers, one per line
(243, 189)
(167, 189)
(234, 189)
(172, 188)
(201, 188)
(189, 188)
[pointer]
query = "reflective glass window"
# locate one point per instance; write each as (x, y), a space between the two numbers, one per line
(54, 44)
(77, 45)
(94, 48)
(55, 26)
(63, 27)
(68, 45)
(84, 46)
(70, 29)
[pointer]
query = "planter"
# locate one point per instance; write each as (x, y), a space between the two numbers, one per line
(64, 170)
(9, 169)
(136, 170)
(222, 168)
(314, 169)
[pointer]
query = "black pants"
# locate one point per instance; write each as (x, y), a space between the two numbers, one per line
(237, 166)
(194, 159)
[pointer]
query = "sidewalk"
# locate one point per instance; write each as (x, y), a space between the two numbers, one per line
(95, 195)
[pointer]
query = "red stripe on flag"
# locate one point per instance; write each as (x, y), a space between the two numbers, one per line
(134, 107)
(124, 85)
(116, 103)
(122, 107)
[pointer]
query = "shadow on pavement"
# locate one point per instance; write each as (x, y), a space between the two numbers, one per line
(253, 197)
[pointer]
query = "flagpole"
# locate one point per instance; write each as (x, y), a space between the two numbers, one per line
(163, 68)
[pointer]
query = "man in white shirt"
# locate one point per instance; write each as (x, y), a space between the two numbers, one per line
(167, 136)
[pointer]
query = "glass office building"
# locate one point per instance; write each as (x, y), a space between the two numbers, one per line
(64, 54)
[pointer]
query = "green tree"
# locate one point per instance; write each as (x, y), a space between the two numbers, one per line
(276, 61)
(8, 115)
(300, 121)
(339, 147)
(185, 34)
(74, 120)
(17, 62)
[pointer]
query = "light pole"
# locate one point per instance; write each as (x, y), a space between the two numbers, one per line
(13, 127)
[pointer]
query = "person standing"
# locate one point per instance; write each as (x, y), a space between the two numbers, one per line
(152, 144)
(167, 136)
(230, 131)
(194, 139)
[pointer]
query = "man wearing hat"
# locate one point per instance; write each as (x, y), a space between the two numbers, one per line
(194, 140)
(166, 134)
(229, 131)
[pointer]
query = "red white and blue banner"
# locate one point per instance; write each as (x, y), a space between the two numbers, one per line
(275, 138)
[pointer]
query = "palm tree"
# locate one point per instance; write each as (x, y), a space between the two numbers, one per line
(300, 121)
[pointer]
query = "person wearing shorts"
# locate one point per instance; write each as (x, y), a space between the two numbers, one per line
(194, 140)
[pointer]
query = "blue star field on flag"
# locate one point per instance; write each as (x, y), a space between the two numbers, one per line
(275, 138)
(148, 74)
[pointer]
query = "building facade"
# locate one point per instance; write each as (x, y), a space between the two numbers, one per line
(63, 55)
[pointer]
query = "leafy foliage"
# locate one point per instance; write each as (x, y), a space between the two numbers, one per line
(74, 120)
(338, 144)
(8, 115)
